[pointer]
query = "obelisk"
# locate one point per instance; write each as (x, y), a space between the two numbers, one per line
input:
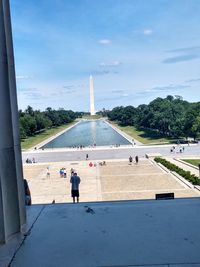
(92, 110)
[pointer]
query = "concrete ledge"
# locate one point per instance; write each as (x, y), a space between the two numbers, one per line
(163, 167)
(190, 185)
(152, 155)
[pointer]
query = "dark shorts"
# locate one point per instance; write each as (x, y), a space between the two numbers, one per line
(75, 193)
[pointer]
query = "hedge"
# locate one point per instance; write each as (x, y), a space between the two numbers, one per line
(172, 167)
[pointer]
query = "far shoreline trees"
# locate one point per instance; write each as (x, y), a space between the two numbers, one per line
(172, 117)
(35, 121)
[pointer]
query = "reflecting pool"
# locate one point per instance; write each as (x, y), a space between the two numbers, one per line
(88, 133)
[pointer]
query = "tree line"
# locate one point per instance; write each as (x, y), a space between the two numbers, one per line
(168, 116)
(34, 121)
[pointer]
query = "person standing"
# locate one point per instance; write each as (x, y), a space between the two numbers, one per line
(136, 159)
(48, 172)
(27, 193)
(130, 160)
(75, 181)
(87, 156)
(64, 173)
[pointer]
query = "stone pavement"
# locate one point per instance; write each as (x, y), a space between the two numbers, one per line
(149, 233)
(116, 181)
(106, 153)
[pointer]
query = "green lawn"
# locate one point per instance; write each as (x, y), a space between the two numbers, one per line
(36, 139)
(143, 136)
(194, 162)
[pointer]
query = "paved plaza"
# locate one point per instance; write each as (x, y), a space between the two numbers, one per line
(116, 181)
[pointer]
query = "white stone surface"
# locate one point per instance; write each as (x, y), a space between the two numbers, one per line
(129, 233)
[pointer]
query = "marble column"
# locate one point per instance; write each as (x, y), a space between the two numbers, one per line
(12, 206)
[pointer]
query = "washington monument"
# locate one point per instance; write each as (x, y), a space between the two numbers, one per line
(92, 110)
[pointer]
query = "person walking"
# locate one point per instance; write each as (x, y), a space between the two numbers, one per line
(130, 160)
(136, 159)
(87, 156)
(75, 181)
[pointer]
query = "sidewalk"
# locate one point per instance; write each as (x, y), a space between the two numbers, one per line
(183, 165)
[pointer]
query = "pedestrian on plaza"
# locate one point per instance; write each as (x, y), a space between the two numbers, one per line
(90, 164)
(48, 172)
(130, 160)
(87, 156)
(64, 173)
(75, 181)
(136, 159)
(61, 173)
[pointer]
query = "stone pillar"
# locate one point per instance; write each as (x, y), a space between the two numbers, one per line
(15, 114)
(11, 178)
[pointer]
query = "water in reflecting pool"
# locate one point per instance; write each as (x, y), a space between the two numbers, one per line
(88, 133)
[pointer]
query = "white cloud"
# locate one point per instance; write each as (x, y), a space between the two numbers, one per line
(111, 64)
(105, 41)
(22, 77)
(147, 31)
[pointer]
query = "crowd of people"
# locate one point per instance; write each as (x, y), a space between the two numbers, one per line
(30, 160)
(178, 149)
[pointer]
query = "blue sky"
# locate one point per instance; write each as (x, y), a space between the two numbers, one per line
(136, 50)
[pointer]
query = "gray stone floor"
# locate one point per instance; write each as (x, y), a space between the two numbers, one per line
(103, 153)
(131, 233)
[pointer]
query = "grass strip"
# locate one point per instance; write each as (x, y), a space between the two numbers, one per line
(194, 162)
(144, 136)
